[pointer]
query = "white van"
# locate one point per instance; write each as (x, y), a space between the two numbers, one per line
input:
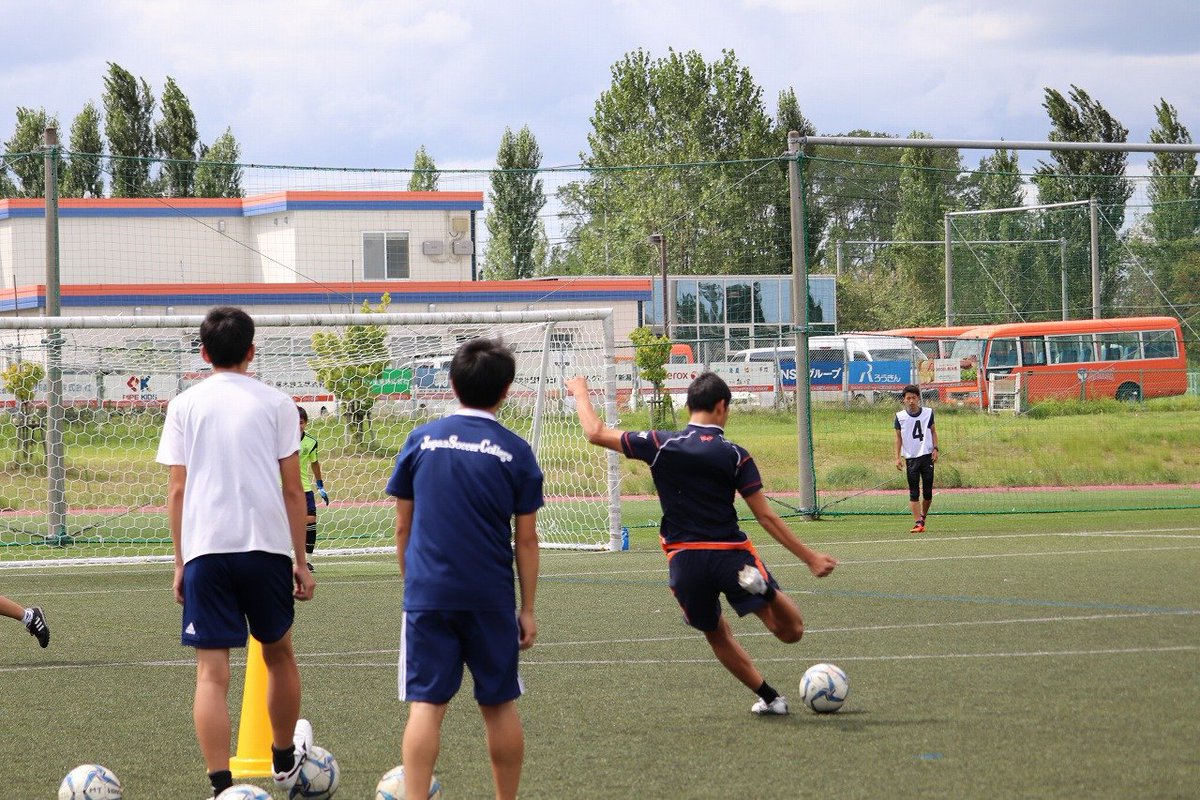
(828, 357)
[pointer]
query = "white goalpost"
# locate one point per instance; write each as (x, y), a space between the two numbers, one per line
(99, 386)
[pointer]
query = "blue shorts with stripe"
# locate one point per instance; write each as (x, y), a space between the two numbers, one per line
(435, 645)
(224, 593)
(698, 578)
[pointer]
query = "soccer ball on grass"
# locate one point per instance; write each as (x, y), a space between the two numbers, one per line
(824, 688)
(90, 782)
(318, 778)
(391, 786)
(244, 791)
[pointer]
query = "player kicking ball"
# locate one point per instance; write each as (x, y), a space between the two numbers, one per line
(697, 472)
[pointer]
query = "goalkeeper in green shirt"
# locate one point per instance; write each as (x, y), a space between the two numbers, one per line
(310, 470)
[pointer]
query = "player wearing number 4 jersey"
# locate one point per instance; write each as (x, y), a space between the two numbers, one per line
(916, 453)
(697, 472)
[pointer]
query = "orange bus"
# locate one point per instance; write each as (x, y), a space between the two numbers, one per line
(1128, 359)
(933, 342)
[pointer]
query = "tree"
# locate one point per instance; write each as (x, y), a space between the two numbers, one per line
(128, 113)
(348, 364)
(1082, 175)
(176, 138)
(651, 354)
(788, 118)
(517, 247)
(83, 176)
(26, 160)
(717, 199)
(1174, 186)
(928, 188)
(21, 379)
(218, 173)
(425, 175)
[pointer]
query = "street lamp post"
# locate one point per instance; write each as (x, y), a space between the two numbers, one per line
(660, 241)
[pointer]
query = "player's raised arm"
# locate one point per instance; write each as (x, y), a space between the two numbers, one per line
(593, 427)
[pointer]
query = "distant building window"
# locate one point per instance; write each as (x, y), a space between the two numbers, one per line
(385, 256)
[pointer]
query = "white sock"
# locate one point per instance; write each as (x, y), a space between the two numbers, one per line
(28, 616)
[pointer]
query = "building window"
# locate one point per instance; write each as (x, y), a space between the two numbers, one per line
(385, 256)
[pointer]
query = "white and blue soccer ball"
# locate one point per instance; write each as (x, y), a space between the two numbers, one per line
(90, 782)
(318, 778)
(824, 688)
(244, 791)
(391, 786)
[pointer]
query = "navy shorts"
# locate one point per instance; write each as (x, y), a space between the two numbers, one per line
(919, 471)
(434, 646)
(700, 577)
(223, 592)
(310, 503)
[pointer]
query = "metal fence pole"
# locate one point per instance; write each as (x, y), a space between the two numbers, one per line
(56, 533)
(808, 478)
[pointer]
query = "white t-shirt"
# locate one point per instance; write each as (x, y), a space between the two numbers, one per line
(230, 432)
(916, 432)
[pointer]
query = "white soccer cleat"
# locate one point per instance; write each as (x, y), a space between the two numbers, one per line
(750, 579)
(776, 708)
(302, 740)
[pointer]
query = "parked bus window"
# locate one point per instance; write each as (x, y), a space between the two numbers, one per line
(1003, 354)
(1159, 344)
(1118, 346)
(1071, 349)
(1033, 351)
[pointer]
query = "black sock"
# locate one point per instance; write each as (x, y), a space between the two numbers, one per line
(283, 760)
(220, 780)
(310, 537)
(766, 692)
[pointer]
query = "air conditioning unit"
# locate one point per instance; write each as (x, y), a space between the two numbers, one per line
(463, 247)
(433, 247)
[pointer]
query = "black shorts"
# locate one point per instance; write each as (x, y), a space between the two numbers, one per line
(700, 577)
(920, 470)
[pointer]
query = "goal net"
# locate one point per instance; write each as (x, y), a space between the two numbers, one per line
(78, 438)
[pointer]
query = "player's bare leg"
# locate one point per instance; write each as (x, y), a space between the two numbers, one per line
(506, 747)
(422, 741)
(283, 690)
(210, 711)
(732, 655)
(783, 618)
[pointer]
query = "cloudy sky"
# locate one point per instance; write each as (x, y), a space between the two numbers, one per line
(306, 82)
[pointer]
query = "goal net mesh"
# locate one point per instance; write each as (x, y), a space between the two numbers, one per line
(364, 385)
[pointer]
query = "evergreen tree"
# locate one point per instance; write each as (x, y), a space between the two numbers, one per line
(128, 113)
(176, 138)
(425, 175)
(1174, 185)
(83, 176)
(25, 157)
(517, 245)
(218, 173)
(1082, 175)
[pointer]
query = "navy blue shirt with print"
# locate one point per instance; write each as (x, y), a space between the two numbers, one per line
(468, 476)
(696, 472)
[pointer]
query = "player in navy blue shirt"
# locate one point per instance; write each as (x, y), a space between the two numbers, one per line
(459, 483)
(697, 472)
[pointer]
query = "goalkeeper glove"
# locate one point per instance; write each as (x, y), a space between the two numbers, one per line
(321, 491)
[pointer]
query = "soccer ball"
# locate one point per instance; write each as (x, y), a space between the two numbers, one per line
(391, 786)
(824, 688)
(90, 782)
(244, 791)
(318, 778)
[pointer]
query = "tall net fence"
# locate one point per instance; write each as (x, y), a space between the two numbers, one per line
(881, 227)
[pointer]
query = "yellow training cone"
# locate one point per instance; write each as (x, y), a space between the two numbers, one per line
(253, 759)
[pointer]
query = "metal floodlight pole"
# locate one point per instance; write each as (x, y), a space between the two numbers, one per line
(55, 462)
(808, 478)
(1093, 216)
(660, 240)
(949, 266)
(1062, 271)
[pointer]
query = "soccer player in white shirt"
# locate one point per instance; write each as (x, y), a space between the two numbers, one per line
(916, 453)
(228, 442)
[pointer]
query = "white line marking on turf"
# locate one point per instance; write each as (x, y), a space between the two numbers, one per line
(907, 657)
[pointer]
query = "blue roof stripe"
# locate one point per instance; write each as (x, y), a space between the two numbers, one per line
(280, 206)
(320, 298)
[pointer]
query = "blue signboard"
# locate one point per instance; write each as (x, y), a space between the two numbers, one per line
(868, 373)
